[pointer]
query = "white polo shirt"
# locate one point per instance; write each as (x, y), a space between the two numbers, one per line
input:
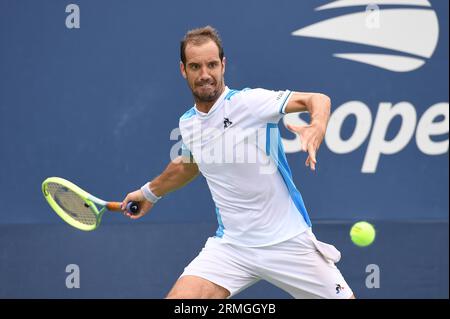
(238, 149)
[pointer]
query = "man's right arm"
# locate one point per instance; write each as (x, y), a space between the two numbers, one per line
(176, 175)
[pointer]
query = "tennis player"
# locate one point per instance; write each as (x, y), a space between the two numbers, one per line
(264, 229)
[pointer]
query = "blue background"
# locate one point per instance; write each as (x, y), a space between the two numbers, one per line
(96, 106)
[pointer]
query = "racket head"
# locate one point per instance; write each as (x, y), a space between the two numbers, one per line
(71, 203)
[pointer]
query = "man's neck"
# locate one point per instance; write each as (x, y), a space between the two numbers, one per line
(205, 107)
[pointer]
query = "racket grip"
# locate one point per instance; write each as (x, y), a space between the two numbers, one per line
(133, 208)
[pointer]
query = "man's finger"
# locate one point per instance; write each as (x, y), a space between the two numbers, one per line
(296, 128)
(312, 153)
(124, 203)
(312, 157)
(305, 146)
(290, 127)
(135, 216)
(304, 143)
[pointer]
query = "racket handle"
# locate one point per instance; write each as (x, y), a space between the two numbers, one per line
(133, 208)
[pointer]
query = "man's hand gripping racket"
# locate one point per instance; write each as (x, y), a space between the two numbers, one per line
(136, 197)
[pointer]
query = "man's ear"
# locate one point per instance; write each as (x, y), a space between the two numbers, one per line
(224, 62)
(183, 70)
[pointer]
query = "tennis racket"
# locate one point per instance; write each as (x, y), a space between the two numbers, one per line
(76, 206)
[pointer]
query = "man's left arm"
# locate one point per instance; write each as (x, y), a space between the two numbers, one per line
(318, 105)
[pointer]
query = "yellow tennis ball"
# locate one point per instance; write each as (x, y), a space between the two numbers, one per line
(362, 234)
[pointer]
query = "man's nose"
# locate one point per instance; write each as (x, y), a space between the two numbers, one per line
(204, 74)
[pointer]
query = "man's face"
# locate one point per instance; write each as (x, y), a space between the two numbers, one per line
(204, 71)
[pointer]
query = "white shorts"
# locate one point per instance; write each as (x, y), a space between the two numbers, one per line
(302, 266)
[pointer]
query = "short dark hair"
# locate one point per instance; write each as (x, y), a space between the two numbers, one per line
(200, 36)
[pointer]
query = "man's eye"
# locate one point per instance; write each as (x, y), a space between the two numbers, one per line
(194, 66)
(212, 65)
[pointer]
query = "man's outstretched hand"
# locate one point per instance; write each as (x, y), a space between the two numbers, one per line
(311, 136)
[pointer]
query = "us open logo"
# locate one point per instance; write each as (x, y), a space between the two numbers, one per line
(408, 35)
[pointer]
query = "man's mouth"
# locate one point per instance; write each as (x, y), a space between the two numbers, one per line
(205, 85)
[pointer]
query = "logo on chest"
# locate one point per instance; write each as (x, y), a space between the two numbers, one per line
(226, 122)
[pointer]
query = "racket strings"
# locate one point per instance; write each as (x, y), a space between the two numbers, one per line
(72, 204)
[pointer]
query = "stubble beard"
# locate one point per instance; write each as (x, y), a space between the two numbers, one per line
(209, 97)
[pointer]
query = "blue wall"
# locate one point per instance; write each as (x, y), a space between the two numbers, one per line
(96, 105)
